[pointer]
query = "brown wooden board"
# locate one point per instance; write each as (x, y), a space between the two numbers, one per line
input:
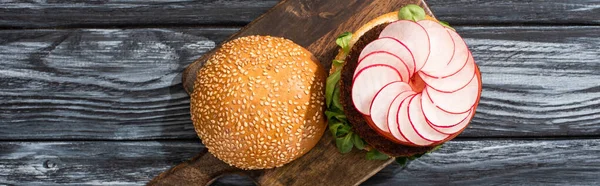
(313, 24)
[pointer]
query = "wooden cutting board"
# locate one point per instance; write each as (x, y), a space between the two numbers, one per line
(313, 24)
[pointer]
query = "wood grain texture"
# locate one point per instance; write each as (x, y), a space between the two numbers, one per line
(502, 162)
(94, 163)
(48, 14)
(124, 84)
(512, 162)
(98, 84)
(77, 13)
(537, 81)
(583, 12)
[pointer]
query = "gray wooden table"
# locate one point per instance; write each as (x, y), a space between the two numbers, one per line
(90, 91)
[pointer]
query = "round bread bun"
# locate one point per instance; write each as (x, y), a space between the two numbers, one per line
(258, 102)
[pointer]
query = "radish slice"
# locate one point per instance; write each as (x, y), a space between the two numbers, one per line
(413, 36)
(419, 123)
(436, 116)
(459, 59)
(368, 82)
(441, 46)
(392, 46)
(454, 82)
(453, 130)
(393, 112)
(386, 58)
(404, 126)
(456, 102)
(381, 103)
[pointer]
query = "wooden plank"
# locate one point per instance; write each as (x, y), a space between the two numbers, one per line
(125, 84)
(98, 84)
(502, 162)
(513, 162)
(48, 14)
(74, 13)
(93, 163)
(585, 12)
(537, 81)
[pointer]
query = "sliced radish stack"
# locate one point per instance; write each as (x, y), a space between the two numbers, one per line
(393, 113)
(381, 103)
(404, 126)
(456, 102)
(413, 36)
(393, 46)
(454, 82)
(438, 117)
(368, 82)
(442, 46)
(419, 123)
(459, 58)
(386, 58)
(382, 84)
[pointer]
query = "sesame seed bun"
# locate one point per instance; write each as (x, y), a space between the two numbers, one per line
(258, 102)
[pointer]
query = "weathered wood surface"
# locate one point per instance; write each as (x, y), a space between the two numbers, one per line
(98, 84)
(539, 81)
(489, 12)
(480, 162)
(126, 84)
(49, 14)
(76, 13)
(502, 162)
(95, 163)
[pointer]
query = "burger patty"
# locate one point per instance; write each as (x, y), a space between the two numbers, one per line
(355, 118)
